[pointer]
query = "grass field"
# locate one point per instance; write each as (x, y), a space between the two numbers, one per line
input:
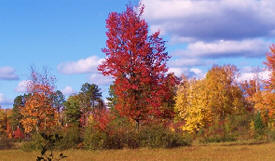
(211, 152)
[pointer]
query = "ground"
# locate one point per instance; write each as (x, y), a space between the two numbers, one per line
(210, 152)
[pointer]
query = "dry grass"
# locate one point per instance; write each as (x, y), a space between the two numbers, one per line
(212, 152)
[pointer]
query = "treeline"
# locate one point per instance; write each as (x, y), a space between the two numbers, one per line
(147, 107)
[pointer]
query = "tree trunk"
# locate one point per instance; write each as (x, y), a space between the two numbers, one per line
(137, 125)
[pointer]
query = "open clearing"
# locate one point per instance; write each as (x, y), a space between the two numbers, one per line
(212, 152)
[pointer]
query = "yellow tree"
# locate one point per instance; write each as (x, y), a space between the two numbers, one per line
(38, 113)
(191, 105)
(224, 95)
(199, 102)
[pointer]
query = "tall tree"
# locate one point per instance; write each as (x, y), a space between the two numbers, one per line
(137, 62)
(91, 94)
(90, 97)
(225, 96)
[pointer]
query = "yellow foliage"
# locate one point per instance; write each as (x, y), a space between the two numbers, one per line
(191, 105)
(199, 102)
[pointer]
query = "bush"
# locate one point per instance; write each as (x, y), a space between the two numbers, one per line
(71, 138)
(35, 143)
(95, 139)
(219, 131)
(161, 137)
(154, 137)
(259, 125)
(5, 142)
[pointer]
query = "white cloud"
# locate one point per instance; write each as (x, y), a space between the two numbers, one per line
(8, 73)
(23, 86)
(178, 71)
(211, 19)
(199, 74)
(100, 79)
(4, 100)
(67, 91)
(187, 61)
(249, 75)
(190, 73)
(86, 65)
(217, 49)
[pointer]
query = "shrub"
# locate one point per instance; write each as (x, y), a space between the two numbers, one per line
(158, 136)
(71, 138)
(35, 143)
(259, 125)
(5, 142)
(95, 139)
(50, 144)
(219, 131)
(271, 135)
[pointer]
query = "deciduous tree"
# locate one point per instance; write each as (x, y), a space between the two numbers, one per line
(137, 62)
(38, 112)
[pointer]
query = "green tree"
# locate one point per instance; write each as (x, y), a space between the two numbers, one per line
(91, 93)
(112, 99)
(72, 110)
(18, 103)
(58, 100)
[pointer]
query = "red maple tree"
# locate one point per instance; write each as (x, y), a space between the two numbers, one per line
(137, 62)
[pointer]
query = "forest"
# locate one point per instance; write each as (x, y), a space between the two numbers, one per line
(147, 106)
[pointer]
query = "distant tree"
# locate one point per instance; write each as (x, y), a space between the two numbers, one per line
(58, 100)
(3, 121)
(90, 97)
(91, 93)
(18, 104)
(137, 61)
(58, 103)
(72, 110)
(112, 99)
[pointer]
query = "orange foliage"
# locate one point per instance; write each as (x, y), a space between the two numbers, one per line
(264, 99)
(38, 113)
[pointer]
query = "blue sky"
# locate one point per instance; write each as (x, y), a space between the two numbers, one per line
(67, 36)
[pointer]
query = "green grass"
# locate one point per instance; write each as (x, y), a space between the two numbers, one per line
(210, 152)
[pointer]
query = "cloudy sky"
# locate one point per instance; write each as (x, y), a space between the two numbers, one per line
(67, 36)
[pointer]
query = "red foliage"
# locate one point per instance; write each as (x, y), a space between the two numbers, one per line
(18, 134)
(101, 118)
(137, 61)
